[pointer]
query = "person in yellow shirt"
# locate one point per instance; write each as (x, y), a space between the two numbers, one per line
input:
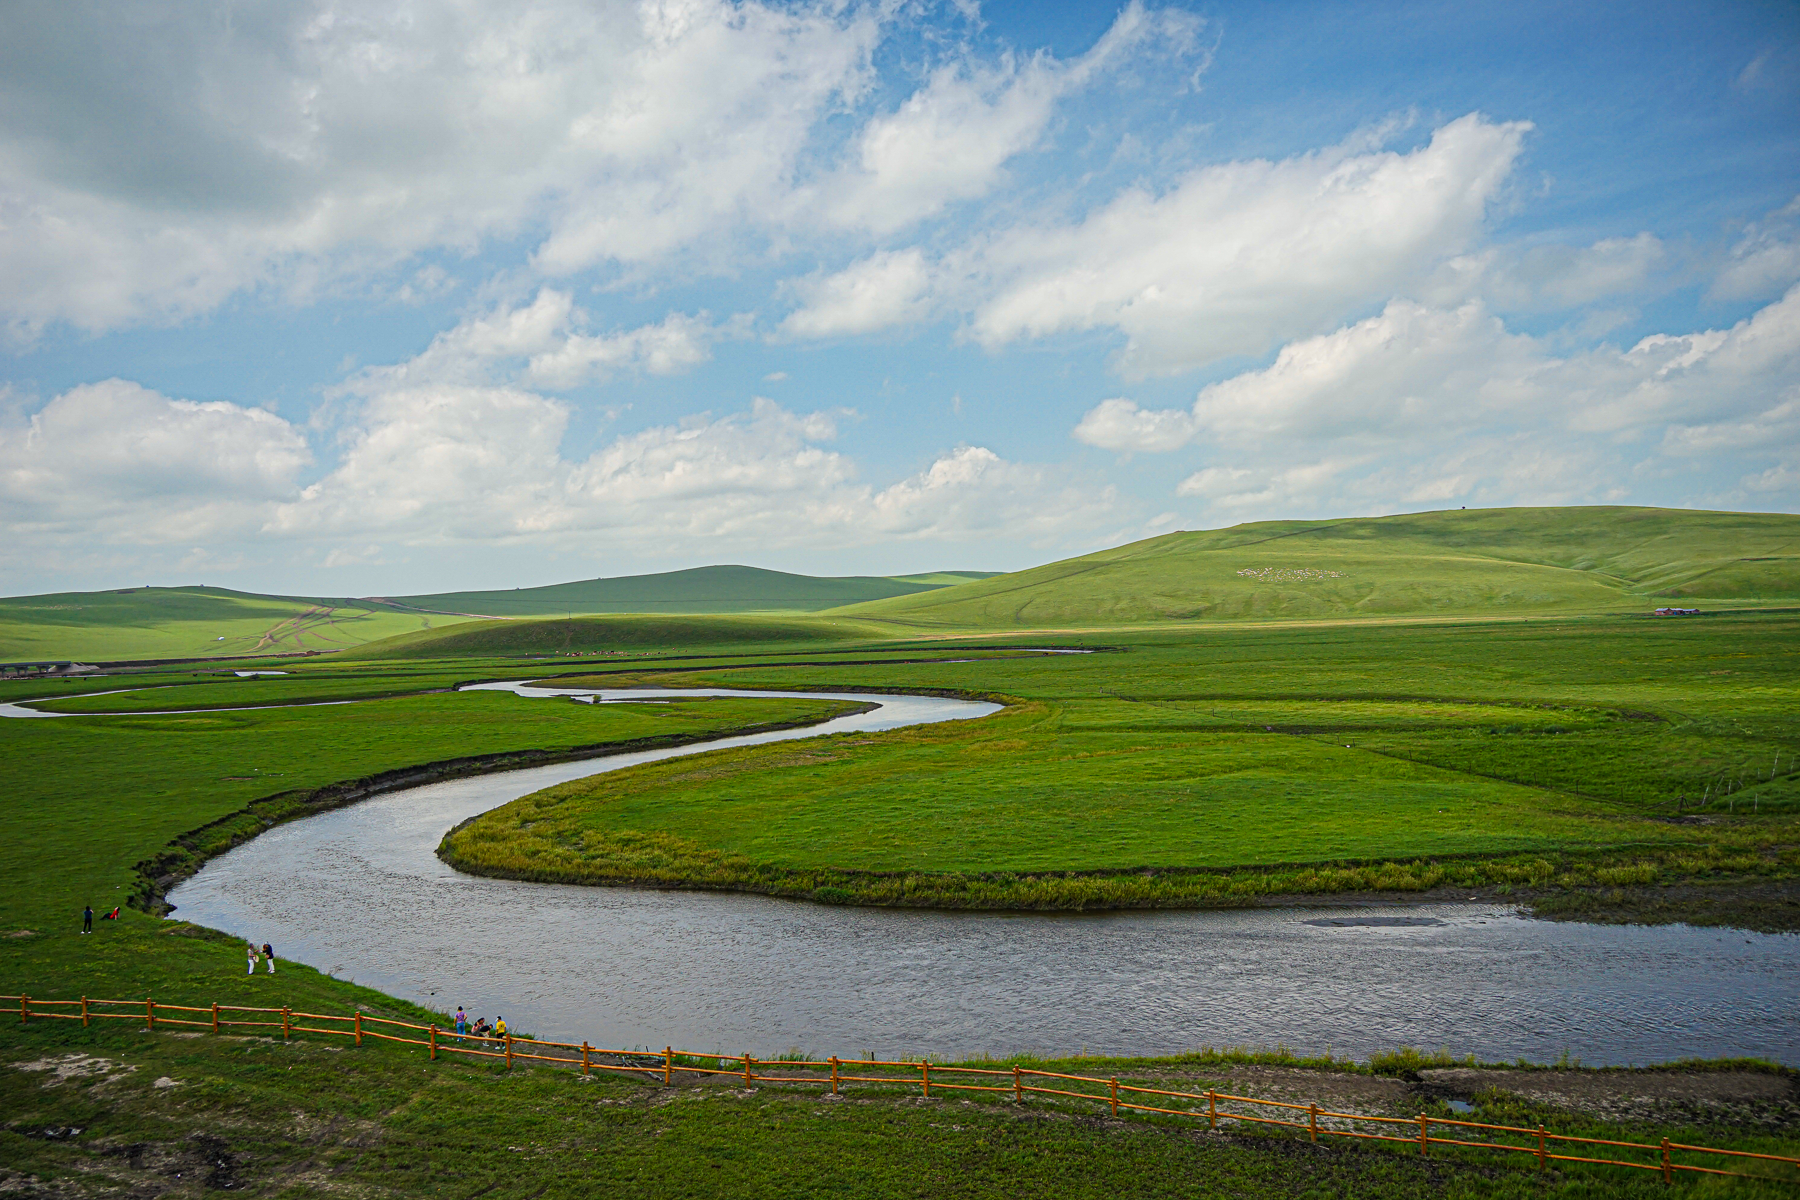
(500, 1027)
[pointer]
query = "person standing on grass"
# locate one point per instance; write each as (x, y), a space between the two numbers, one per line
(250, 958)
(462, 1021)
(269, 953)
(499, 1027)
(87, 919)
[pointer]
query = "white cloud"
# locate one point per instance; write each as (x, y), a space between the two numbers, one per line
(151, 166)
(1119, 424)
(117, 460)
(449, 464)
(1765, 260)
(1548, 277)
(1240, 256)
(951, 139)
(884, 290)
(1420, 406)
(1413, 371)
(540, 345)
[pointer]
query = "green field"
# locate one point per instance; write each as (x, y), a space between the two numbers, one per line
(92, 797)
(1462, 563)
(200, 622)
(1594, 760)
(190, 622)
(1223, 765)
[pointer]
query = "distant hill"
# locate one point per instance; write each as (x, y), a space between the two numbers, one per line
(208, 622)
(1462, 562)
(728, 589)
(191, 622)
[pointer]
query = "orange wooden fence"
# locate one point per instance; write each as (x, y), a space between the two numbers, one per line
(1423, 1131)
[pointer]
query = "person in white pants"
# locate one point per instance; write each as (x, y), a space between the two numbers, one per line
(250, 956)
(269, 953)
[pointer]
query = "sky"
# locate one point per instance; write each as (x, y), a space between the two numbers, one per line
(355, 299)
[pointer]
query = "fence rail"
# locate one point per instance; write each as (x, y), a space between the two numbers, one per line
(1211, 1106)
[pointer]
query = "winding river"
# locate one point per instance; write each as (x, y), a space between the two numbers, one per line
(360, 892)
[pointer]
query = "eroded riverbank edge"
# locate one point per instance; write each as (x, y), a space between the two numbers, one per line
(1559, 887)
(187, 852)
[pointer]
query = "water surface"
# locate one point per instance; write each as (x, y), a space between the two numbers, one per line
(360, 892)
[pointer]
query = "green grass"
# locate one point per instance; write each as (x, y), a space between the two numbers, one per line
(208, 622)
(731, 589)
(1461, 563)
(304, 1118)
(91, 797)
(1216, 767)
(190, 622)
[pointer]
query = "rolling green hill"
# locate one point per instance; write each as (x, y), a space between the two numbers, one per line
(206, 622)
(729, 589)
(190, 622)
(1463, 562)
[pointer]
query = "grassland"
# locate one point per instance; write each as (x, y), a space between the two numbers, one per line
(113, 1110)
(1227, 766)
(190, 622)
(91, 798)
(144, 623)
(1467, 562)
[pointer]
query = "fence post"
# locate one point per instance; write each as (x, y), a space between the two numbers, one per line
(433, 1039)
(834, 1067)
(84, 1012)
(1667, 1168)
(925, 1078)
(24, 1009)
(1115, 1097)
(149, 1013)
(1424, 1138)
(1543, 1162)
(215, 1016)
(746, 1072)
(1212, 1109)
(668, 1064)
(1312, 1122)
(509, 1051)
(359, 1026)
(287, 1015)
(586, 1068)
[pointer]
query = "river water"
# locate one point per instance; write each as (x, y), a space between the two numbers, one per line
(360, 892)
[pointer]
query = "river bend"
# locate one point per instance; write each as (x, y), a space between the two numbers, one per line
(360, 892)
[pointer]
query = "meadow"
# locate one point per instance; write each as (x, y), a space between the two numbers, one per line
(1474, 563)
(91, 798)
(1572, 757)
(1227, 765)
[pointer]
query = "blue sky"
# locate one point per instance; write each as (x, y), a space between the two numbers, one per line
(356, 300)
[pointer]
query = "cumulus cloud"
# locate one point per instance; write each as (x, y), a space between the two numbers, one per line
(1414, 370)
(951, 139)
(153, 163)
(1549, 277)
(1765, 260)
(879, 292)
(540, 344)
(119, 460)
(1240, 256)
(1419, 406)
(766, 476)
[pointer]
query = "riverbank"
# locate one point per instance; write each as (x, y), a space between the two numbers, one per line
(96, 1111)
(189, 851)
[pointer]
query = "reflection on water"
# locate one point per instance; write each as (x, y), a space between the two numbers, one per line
(360, 892)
